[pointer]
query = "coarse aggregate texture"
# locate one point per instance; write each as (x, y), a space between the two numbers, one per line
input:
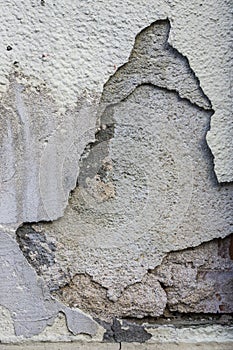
(199, 280)
(146, 185)
(73, 47)
(158, 194)
(145, 298)
(195, 280)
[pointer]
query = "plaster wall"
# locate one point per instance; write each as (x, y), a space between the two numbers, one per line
(116, 168)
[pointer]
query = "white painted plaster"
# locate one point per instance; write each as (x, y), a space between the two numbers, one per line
(74, 47)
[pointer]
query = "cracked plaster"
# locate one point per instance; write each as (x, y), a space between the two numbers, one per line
(163, 193)
(197, 280)
(53, 62)
(30, 304)
(89, 41)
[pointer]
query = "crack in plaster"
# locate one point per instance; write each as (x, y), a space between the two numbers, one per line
(68, 69)
(194, 94)
(124, 82)
(123, 91)
(169, 69)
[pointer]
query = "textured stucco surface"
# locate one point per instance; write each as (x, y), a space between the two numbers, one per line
(88, 41)
(95, 100)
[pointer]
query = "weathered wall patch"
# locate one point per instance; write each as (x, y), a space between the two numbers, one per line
(109, 201)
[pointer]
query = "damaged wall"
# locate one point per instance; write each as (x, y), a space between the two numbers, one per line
(113, 208)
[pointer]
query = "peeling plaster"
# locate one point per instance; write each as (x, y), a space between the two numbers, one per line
(30, 305)
(88, 42)
(39, 151)
(154, 61)
(195, 280)
(161, 172)
(48, 159)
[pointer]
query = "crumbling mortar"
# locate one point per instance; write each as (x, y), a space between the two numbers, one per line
(118, 329)
(182, 320)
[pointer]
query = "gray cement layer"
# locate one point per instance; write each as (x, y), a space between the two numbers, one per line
(147, 183)
(40, 149)
(137, 193)
(159, 193)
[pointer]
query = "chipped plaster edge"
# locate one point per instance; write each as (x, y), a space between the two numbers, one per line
(56, 332)
(164, 335)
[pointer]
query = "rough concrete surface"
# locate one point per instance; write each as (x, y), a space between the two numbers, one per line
(180, 346)
(161, 337)
(164, 192)
(195, 280)
(109, 202)
(141, 299)
(213, 333)
(200, 279)
(62, 346)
